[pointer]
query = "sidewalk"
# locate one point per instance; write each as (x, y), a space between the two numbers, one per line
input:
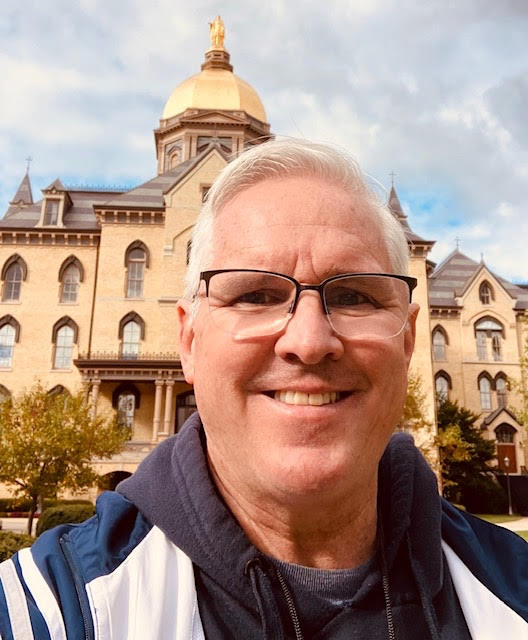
(16, 525)
(516, 525)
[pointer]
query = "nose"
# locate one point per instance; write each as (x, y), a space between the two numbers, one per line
(308, 336)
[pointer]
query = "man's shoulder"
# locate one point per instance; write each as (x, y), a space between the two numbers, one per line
(98, 545)
(496, 557)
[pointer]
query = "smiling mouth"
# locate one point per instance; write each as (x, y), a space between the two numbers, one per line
(310, 399)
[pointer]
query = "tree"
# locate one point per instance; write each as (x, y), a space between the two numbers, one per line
(521, 386)
(48, 442)
(465, 457)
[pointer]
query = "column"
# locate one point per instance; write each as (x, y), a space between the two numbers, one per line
(168, 407)
(157, 410)
(94, 396)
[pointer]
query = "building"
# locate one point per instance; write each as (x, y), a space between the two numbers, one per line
(478, 336)
(90, 278)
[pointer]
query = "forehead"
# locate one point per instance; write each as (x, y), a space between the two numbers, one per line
(287, 222)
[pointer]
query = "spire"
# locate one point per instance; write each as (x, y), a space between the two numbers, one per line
(394, 204)
(217, 57)
(23, 197)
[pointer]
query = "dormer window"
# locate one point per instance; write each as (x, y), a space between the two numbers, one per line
(51, 211)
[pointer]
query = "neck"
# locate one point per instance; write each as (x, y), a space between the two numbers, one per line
(325, 532)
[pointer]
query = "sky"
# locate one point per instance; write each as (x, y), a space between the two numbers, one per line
(435, 91)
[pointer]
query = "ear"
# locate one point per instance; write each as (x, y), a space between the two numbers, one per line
(410, 331)
(186, 335)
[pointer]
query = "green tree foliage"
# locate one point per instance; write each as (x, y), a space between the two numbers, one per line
(11, 542)
(413, 416)
(47, 443)
(63, 514)
(521, 386)
(465, 457)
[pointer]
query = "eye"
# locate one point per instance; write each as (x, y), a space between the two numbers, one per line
(346, 298)
(261, 298)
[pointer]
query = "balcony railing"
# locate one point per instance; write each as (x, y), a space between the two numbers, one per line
(129, 357)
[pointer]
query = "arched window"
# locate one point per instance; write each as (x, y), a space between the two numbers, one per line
(485, 393)
(14, 273)
(486, 293)
(501, 385)
(71, 274)
(442, 386)
(131, 332)
(439, 343)
(185, 406)
(505, 433)
(489, 330)
(7, 345)
(65, 333)
(131, 339)
(136, 261)
(126, 399)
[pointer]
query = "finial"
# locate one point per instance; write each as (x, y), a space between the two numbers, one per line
(457, 242)
(217, 33)
(481, 256)
(392, 174)
(28, 160)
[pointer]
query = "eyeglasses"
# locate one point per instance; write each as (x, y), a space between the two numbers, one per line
(249, 303)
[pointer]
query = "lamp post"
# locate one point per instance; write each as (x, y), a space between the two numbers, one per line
(507, 466)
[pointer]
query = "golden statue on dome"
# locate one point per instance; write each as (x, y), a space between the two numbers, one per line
(217, 33)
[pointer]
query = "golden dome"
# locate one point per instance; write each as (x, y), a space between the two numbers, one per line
(214, 88)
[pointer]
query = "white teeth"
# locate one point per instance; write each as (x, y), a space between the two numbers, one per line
(302, 398)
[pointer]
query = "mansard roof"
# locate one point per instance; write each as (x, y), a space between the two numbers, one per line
(80, 214)
(452, 277)
(151, 194)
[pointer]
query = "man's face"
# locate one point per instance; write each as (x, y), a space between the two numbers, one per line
(309, 229)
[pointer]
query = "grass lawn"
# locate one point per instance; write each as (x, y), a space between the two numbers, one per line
(496, 518)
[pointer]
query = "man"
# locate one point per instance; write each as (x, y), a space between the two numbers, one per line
(284, 509)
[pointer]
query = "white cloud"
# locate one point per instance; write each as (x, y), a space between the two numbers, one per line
(435, 91)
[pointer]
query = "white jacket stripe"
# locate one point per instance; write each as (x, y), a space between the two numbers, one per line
(151, 594)
(487, 616)
(16, 602)
(42, 594)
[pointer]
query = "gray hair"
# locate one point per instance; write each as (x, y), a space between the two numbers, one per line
(279, 159)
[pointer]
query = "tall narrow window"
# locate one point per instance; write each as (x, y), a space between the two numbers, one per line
(502, 392)
(7, 345)
(442, 389)
(496, 346)
(51, 212)
(126, 408)
(131, 338)
(439, 345)
(485, 393)
(136, 273)
(70, 284)
(13, 282)
(482, 351)
(63, 348)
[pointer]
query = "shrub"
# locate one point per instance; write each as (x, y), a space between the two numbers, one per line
(11, 542)
(482, 494)
(63, 514)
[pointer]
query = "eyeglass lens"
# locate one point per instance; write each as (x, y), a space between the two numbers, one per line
(252, 304)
